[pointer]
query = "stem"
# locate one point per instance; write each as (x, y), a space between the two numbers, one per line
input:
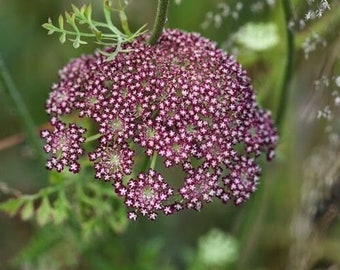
(252, 223)
(109, 23)
(153, 161)
(47, 191)
(149, 163)
(283, 99)
(123, 19)
(25, 116)
(145, 164)
(93, 137)
(124, 22)
(161, 15)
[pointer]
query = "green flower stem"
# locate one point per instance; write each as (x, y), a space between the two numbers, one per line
(283, 98)
(144, 165)
(47, 191)
(90, 35)
(123, 19)
(149, 163)
(124, 22)
(20, 106)
(161, 16)
(109, 23)
(250, 223)
(93, 137)
(153, 161)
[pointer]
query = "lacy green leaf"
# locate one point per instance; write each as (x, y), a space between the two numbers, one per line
(44, 211)
(79, 27)
(28, 210)
(11, 206)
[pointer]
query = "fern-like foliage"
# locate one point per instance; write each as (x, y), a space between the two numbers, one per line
(102, 33)
(73, 200)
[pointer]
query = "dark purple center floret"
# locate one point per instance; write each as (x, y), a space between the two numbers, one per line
(183, 100)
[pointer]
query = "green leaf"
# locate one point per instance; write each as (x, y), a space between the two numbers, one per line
(81, 196)
(77, 42)
(107, 5)
(88, 12)
(50, 27)
(62, 38)
(70, 18)
(56, 178)
(118, 224)
(61, 208)
(104, 33)
(60, 215)
(61, 22)
(75, 9)
(11, 206)
(112, 55)
(28, 210)
(98, 34)
(50, 32)
(82, 10)
(89, 228)
(44, 211)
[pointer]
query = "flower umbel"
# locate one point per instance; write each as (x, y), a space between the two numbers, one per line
(147, 194)
(183, 100)
(64, 143)
(112, 160)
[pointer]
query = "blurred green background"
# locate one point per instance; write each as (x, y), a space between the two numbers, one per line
(291, 222)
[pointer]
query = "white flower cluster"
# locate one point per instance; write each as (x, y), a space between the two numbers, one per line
(224, 11)
(312, 43)
(318, 11)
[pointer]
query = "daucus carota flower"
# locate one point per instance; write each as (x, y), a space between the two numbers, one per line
(147, 194)
(112, 160)
(183, 100)
(64, 143)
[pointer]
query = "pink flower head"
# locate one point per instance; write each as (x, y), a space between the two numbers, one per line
(182, 99)
(148, 193)
(64, 145)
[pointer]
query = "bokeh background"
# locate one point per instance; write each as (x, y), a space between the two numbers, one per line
(291, 222)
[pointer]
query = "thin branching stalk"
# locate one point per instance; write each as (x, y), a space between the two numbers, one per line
(21, 109)
(161, 17)
(284, 94)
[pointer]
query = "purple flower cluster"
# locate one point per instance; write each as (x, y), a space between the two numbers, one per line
(183, 100)
(147, 194)
(65, 145)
